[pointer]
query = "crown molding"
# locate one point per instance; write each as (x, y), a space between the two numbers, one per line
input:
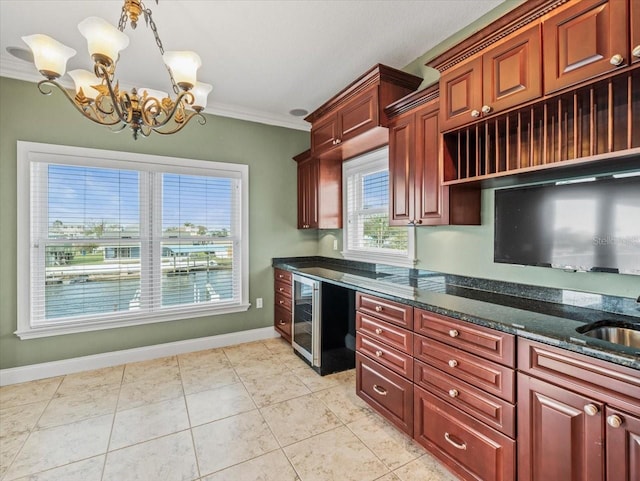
(21, 70)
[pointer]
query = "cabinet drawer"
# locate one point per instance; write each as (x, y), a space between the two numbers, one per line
(283, 301)
(393, 359)
(282, 276)
(493, 378)
(391, 395)
(389, 311)
(491, 344)
(580, 373)
(473, 449)
(282, 321)
(383, 331)
(283, 288)
(495, 412)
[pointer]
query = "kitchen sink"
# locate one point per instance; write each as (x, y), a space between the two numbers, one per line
(617, 332)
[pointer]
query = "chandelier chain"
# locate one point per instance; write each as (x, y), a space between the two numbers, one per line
(122, 24)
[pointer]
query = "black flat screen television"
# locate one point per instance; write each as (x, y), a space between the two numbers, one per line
(585, 226)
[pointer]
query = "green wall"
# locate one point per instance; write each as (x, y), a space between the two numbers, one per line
(25, 114)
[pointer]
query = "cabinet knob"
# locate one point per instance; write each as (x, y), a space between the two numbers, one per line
(475, 114)
(378, 353)
(380, 390)
(454, 333)
(591, 410)
(417, 221)
(281, 302)
(453, 392)
(281, 289)
(378, 331)
(616, 60)
(281, 322)
(486, 109)
(378, 308)
(636, 51)
(614, 421)
(338, 141)
(453, 363)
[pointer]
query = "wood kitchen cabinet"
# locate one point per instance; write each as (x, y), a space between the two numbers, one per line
(319, 192)
(416, 193)
(504, 75)
(578, 417)
(635, 31)
(583, 40)
(353, 122)
(282, 281)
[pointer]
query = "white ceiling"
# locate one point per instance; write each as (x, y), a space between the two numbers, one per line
(263, 58)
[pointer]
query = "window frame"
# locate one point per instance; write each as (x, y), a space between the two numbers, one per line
(371, 162)
(30, 152)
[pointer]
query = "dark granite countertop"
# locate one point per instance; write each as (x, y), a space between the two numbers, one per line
(543, 314)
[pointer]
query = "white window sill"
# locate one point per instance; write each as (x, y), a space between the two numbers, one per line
(84, 325)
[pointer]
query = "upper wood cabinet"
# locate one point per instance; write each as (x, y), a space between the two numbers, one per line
(416, 194)
(506, 74)
(635, 31)
(353, 122)
(319, 192)
(583, 40)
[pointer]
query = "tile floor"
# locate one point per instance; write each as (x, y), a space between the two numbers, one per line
(251, 412)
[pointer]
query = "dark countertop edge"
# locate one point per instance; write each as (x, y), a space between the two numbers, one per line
(598, 352)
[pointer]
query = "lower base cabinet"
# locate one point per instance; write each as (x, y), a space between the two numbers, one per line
(467, 446)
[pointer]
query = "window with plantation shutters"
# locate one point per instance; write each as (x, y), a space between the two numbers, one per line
(109, 239)
(367, 234)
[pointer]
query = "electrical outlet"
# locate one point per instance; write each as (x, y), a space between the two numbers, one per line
(259, 303)
(335, 244)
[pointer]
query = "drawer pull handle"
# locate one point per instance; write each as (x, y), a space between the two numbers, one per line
(378, 353)
(591, 409)
(378, 308)
(380, 390)
(462, 446)
(454, 333)
(281, 322)
(453, 392)
(453, 363)
(378, 331)
(614, 421)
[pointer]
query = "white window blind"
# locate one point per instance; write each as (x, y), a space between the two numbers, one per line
(367, 234)
(120, 239)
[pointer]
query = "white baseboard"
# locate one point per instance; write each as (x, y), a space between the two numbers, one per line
(44, 370)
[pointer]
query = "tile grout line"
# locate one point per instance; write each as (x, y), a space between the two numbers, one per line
(193, 441)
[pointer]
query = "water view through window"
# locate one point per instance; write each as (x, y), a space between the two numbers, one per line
(106, 244)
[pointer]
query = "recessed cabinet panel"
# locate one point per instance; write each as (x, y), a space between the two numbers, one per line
(359, 115)
(512, 72)
(461, 93)
(623, 446)
(560, 433)
(429, 194)
(324, 133)
(401, 145)
(582, 41)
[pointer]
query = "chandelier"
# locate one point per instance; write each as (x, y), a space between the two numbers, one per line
(98, 95)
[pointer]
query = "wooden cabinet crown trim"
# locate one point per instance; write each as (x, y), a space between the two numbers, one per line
(412, 101)
(374, 76)
(528, 12)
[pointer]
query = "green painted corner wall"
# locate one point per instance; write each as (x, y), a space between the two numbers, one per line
(27, 115)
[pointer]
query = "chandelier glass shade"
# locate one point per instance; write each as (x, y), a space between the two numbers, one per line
(98, 95)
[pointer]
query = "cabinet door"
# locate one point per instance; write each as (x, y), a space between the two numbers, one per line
(307, 194)
(401, 160)
(623, 446)
(581, 40)
(461, 94)
(512, 71)
(635, 30)
(557, 438)
(324, 134)
(428, 191)
(359, 114)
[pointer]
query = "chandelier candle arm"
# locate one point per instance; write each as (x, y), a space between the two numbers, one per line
(98, 96)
